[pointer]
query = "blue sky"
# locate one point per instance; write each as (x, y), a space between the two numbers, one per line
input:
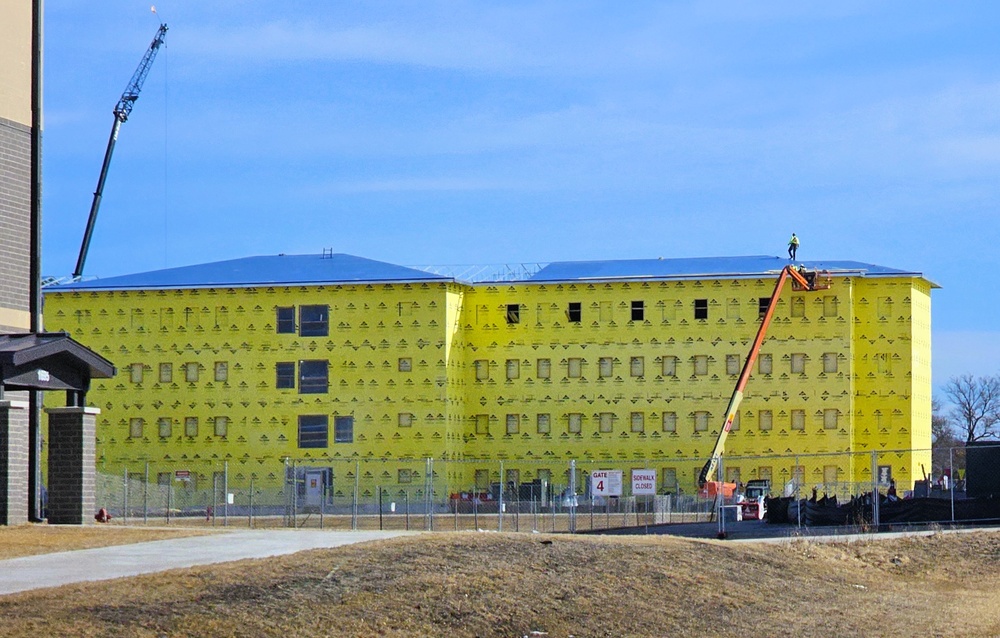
(486, 133)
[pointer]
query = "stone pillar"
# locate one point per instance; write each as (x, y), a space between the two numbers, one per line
(13, 462)
(72, 472)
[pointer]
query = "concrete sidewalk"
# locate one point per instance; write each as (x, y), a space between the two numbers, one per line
(105, 563)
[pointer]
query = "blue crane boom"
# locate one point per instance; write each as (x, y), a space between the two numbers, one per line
(122, 110)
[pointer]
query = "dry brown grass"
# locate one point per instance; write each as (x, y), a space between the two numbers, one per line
(487, 584)
(28, 540)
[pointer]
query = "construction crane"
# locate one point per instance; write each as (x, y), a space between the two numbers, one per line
(801, 280)
(122, 110)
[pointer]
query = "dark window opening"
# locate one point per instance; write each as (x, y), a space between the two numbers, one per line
(286, 320)
(343, 429)
(701, 308)
(314, 321)
(763, 303)
(638, 310)
(575, 312)
(284, 375)
(314, 430)
(513, 313)
(313, 377)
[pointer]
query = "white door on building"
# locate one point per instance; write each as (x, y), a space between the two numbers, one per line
(314, 487)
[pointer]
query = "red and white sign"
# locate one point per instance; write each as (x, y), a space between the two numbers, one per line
(643, 482)
(606, 483)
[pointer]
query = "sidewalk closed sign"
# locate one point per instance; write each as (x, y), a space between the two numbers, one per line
(606, 483)
(643, 482)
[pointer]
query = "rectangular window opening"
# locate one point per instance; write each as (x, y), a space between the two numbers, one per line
(701, 308)
(575, 423)
(638, 422)
(544, 425)
(314, 431)
(669, 421)
(763, 303)
(607, 422)
(638, 311)
(314, 377)
(222, 426)
(513, 313)
(284, 375)
(637, 366)
(314, 321)
(574, 312)
(544, 368)
(513, 423)
(343, 429)
(286, 320)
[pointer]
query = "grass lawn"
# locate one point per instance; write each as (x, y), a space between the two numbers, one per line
(28, 540)
(489, 584)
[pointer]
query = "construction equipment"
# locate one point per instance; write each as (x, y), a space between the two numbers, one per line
(121, 112)
(753, 500)
(803, 280)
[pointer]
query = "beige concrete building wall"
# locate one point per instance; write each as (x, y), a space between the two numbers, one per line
(15, 165)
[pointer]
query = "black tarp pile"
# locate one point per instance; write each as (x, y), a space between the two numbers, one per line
(858, 511)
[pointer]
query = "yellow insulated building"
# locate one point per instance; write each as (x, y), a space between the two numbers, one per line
(615, 364)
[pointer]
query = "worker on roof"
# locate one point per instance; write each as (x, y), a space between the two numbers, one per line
(793, 247)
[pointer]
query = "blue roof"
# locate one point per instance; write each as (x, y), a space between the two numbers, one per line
(282, 270)
(697, 267)
(276, 270)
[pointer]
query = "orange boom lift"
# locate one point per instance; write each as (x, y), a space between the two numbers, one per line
(802, 279)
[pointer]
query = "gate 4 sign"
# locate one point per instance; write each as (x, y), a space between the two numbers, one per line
(643, 482)
(606, 483)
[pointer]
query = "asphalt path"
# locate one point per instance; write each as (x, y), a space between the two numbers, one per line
(119, 561)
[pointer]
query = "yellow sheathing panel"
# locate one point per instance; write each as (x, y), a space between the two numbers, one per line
(892, 372)
(371, 329)
(849, 372)
(621, 407)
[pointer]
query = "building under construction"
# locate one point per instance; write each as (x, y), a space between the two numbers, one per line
(332, 357)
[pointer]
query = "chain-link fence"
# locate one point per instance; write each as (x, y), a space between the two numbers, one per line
(861, 489)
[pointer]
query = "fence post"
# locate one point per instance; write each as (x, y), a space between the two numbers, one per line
(572, 496)
(720, 498)
(125, 499)
(875, 495)
(225, 493)
(295, 495)
(503, 484)
(287, 495)
(170, 491)
(429, 494)
(354, 506)
(951, 483)
(250, 507)
(322, 501)
(798, 500)
(145, 496)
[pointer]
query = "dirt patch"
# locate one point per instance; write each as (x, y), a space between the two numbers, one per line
(29, 540)
(488, 584)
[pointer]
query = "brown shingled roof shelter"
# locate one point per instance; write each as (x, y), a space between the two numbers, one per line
(46, 362)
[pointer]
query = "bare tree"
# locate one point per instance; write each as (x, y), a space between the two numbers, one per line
(947, 450)
(975, 403)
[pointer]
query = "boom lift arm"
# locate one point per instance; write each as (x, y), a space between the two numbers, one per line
(121, 112)
(803, 281)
